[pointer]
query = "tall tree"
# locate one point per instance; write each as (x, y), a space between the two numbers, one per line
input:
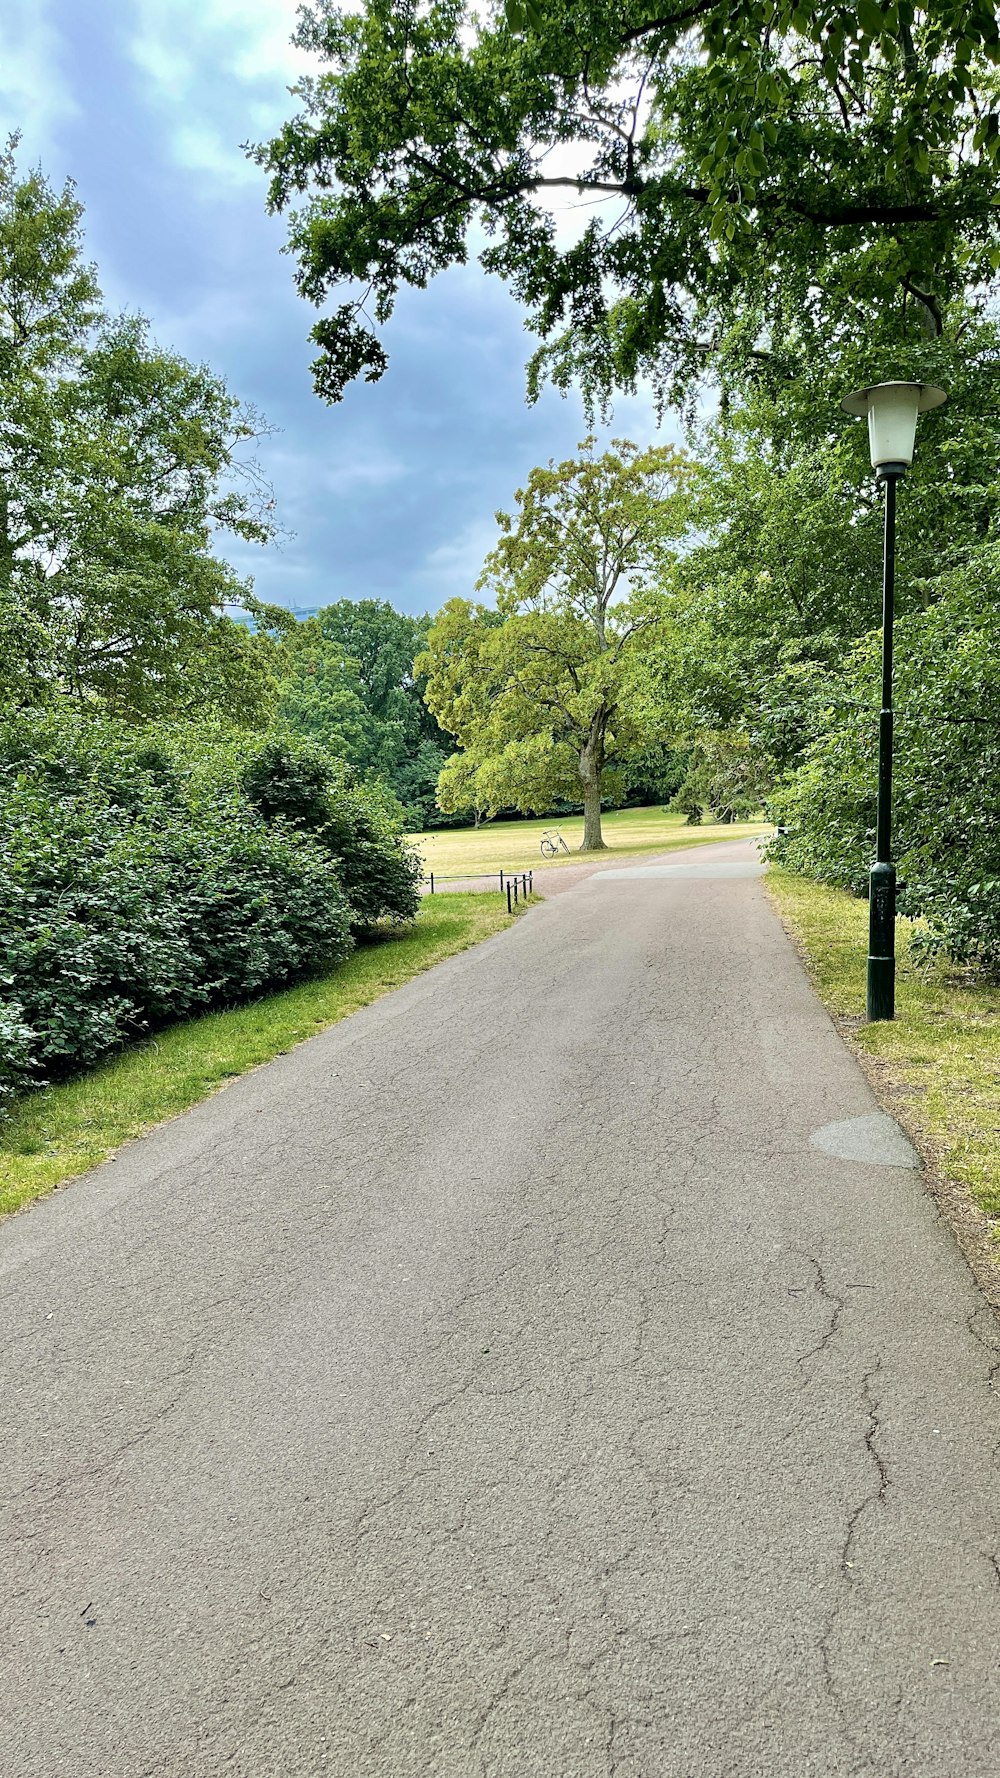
(119, 464)
(350, 683)
(765, 177)
(785, 571)
(545, 702)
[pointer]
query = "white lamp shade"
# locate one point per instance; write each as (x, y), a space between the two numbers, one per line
(892, 410)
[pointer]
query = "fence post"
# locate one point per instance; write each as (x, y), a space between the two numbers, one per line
(509, 908)
(501, 882)
(432, 882)
(524, 886)
(515, 891)
(531, 882)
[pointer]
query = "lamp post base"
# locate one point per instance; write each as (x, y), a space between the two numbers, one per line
(882, 942)
(881, 988)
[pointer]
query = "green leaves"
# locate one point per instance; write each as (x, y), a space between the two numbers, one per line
(551, 694)
(736, 168)
(145, 876)
(118, 461)
(523, 15)
(871, 18)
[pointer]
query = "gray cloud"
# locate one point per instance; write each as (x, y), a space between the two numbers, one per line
(392, 493)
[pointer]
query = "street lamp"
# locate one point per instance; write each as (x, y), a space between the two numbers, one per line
(892, 410)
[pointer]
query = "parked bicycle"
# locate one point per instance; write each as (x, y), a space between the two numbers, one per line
(553, 843)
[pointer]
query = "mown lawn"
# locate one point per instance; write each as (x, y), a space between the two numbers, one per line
(61, 1131)
(514, 845)
(943, 1047)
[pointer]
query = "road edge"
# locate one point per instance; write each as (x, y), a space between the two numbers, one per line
(974, 1233)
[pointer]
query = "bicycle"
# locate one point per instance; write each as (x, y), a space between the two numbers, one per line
(552, 841)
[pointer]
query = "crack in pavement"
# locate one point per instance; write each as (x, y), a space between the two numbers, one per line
(875, 1497)
(829, 1296)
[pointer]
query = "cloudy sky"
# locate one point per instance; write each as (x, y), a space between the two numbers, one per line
(391, 493)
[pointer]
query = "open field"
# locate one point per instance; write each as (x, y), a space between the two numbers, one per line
(514, 845)
(60, 1131)
(940, 1055)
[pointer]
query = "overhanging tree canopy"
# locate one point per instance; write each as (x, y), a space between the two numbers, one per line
(762, 172)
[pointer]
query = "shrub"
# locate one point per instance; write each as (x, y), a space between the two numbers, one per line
(946, 800)
(17, 1043)
(125, 901)
(357, 824)
(290, 779)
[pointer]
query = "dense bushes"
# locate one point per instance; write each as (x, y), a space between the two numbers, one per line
(946, 802)
(145, 877)
(358, 824)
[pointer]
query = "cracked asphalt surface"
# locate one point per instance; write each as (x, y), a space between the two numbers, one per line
(502, 1386)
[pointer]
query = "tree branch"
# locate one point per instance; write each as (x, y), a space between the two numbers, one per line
(686, 16)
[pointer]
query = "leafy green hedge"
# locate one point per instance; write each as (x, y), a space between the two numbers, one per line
(292, 780)
(946, 790)
(142, 879)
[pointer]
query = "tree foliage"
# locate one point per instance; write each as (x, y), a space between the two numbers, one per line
(119, 465)
(542, 695)
(946, 817)
(777, 639)
(349, 684)
(763, 180)
(149, 873)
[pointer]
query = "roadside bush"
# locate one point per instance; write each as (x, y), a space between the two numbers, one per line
(357, 824)
(290, 780)
(17, 1042)
(147, 875)
(138, 886)
(946, 803)
(111, 924)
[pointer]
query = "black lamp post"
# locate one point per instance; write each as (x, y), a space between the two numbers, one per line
(892, 410)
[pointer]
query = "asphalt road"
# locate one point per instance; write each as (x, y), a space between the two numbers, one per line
(505, 1385)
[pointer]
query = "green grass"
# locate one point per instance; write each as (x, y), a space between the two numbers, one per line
(514, 845)
(943, 1047)
(60, 1131)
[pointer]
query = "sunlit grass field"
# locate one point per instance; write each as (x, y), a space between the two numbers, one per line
(514, 845)
(942, 1048)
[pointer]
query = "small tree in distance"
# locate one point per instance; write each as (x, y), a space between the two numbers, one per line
(543, 694)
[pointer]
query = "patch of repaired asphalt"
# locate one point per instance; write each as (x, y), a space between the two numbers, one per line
(875, 1140)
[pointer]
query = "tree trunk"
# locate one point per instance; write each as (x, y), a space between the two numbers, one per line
(593, 839)
(591, 773)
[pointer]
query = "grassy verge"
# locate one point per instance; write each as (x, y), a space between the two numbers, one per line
(61, 1131)
(940, 1055)
(514, 845)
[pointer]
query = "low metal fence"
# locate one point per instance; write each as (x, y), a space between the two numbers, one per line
(517, 884)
